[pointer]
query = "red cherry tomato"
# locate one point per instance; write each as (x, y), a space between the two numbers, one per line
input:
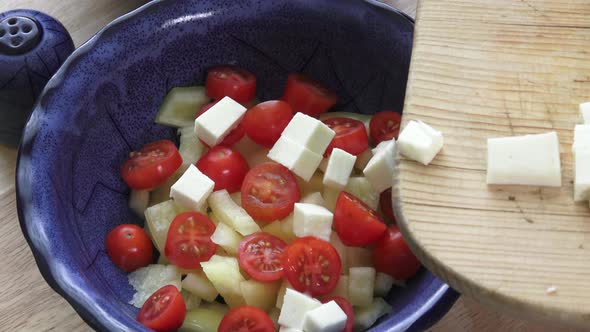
(384, 126)
(231, 81)
(351, 135)
(129, 247)
(391, 255)
(235, 135)
(269, 192)
(312, 266)
(260, 256)
(164, 311)
(265, 122)
(189, 240)
(308, 96)
(246, 319)
(346, 307)
(225, 166)
(355, 222)
(151, 166)
(386, 205)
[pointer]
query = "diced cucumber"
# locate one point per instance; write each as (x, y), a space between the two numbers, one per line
(206, 318)
(260, 294)
(197, 283)
(233, 215)
(253, 153)
(365, 317)
(191, 148)
(361, 285)
(158, 219)
(162, 192)
(180, 106)
(224, 274)
(149, 279)
(360, 187)
(364, 118)
(227, 238)
(138, 201)
(314, 198)
(383, 283)
(190, 300)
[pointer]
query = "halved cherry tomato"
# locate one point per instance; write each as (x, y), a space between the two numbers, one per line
(308, 96)
(225, 166)
(246, 319)
(152, 165)
(265, 122)
(355, 222)
(260, 256)
(129, 247)
(391, 255)
(189, 240)
(163, 311)
(346, 307)
(312, 266)
(269, 192)
(235, 135)
(231, 81)
(351, 135)
(384, 126)
(386, 205)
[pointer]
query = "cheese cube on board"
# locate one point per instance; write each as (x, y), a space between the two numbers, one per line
(582, 174)
(213, 125)
(585, 112)
(524, 160)
(340, 166)
(312, 220)
(420, 142)
(289, 329)
(379, 170)
(295, 307)
(581, 137)
(192, 189)
(309, 132)
(295, 157)
(328, 317)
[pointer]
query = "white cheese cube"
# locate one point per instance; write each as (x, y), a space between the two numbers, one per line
(340, 166)
(582, 174)
(383, 283)
(585, 112)
(380, 146)
(524, 160)
(295, 306)
(309, 132)
(581, 137)
(312, 220)
(363, 159)
(379, 170)
(361, 285)
(328, 317)
(314, 198)
(192, 189)
(213, 125)
(289, 329)
(295, 157)
(420, 142)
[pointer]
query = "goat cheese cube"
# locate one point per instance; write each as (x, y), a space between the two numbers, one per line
(582, 174)
(295, 157)
(309, 132)
(524, 160)
(420, 142)
(585, 112)
(379, 170)
(213, 125)
(361, 285)
(328, 317)
(289, 329)
(312, 220)
(192, 189)
(340, 166)
(295, 306)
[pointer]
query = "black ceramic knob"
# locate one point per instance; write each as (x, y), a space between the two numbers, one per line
(33, 46)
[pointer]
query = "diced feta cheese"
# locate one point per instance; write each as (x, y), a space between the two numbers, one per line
(295, 306)
(524, 160)
(309, 132)
(582, 174)
(379, 170)
(213, 125)
(328, 317)
(581, 137)
(289, 329)
(585, 112)
(420, 142)
(192, 189)
(312, 220)
(380, 146)
(383, 283)
(295, 157)
(340, 166)
(363, 159)
(361, 285)
(314, 198)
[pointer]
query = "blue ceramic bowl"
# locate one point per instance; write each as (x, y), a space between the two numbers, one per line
(101, 105)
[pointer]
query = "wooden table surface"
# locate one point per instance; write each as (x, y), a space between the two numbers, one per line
(28, 304)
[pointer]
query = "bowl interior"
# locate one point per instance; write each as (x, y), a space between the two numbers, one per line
(102, 103)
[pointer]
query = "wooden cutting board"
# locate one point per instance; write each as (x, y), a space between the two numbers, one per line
(492, 68)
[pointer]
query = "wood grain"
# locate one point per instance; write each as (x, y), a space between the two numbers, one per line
(28, 302)
(485, 69)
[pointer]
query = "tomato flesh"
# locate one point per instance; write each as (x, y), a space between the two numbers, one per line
(351, 135)
(384, 126)
(265, 122)
(164, 311)
(346, 307)
(391, 255)
(312, 266)
(246, 319)
(260, 255)
(225, 166)
(129, 247)
(355, 222)
(230, 139)
(151, 165)
(231, 81)
(386, 205)
(189, 240)
(269, 192)
(308, 96)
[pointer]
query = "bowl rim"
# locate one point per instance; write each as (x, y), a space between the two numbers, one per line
(432, 309)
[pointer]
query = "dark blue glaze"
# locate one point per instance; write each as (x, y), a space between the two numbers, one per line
(102, 102)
